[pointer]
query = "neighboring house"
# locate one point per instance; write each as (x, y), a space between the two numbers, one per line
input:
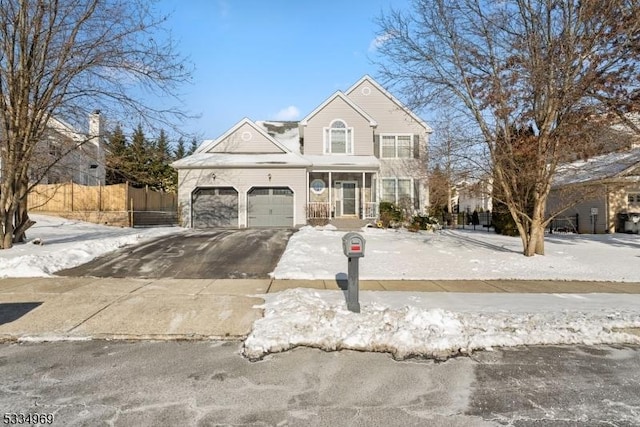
(472, 195)
(81, 154)
(357, 148)
(609, 186)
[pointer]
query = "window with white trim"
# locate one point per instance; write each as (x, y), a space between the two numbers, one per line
(338, 138)
(395, 190)
(633, 198)
(396, 146)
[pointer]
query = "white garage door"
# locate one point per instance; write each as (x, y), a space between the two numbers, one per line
(270, 207)
(214, 207)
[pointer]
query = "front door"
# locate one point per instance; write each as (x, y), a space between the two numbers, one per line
(349, 197)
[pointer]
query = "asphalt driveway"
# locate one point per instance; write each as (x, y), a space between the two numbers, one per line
(197, 254)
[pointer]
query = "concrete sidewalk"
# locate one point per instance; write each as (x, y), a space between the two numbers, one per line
(85, 308)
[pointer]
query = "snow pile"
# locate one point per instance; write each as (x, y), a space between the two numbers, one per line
(314, 253)
(65, 243)
(303, 317)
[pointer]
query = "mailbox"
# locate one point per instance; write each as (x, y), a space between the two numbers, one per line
(353, 245)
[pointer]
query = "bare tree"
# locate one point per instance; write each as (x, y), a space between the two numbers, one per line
(548, 66)
(61, 59)
(456, 155)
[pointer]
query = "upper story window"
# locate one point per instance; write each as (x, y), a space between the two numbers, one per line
(338, 138)
(396, 146)
(633, 198)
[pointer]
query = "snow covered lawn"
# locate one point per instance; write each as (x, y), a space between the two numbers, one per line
(314, 253)
(68, 243)
(439, 325)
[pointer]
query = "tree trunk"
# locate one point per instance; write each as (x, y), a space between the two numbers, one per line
(22, 221)
(540, 241)
(535, 241)
(7, 230)
(535, 244)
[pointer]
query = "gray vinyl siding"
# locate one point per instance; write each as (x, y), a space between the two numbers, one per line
(392, 119)
(389, 116)
(338, 109)
(242, 179)
(235, 143)
(583, 209)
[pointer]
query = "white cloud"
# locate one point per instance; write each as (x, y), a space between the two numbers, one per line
(289, 113)
(379, 41)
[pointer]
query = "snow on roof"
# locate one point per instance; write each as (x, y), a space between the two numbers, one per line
(344, 162)
(226, 160)
(286, 133)
(208, 144)
(66, 129)
(634, 118)
(597, 168)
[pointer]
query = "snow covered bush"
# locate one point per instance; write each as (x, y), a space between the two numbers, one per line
(424, 222)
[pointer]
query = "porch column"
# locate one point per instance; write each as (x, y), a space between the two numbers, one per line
(362, 205)
(378, 188)
(330, 199)
(308, 196)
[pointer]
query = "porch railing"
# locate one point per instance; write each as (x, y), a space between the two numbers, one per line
(370, 210)
(318, 210)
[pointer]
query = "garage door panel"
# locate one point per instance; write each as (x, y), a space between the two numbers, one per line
(270, 207)
(215, 207)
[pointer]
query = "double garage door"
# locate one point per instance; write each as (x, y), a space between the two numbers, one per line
(266, 207)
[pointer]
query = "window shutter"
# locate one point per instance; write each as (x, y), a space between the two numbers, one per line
(376, 145)
(416, 146)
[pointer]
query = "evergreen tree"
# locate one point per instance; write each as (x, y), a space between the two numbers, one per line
(193, 146)
(117, 157)
(142, 152)
(163, 176)
(180, 150)
(162, 148)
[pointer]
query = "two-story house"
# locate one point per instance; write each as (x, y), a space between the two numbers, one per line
(77, 155)
(357, 148)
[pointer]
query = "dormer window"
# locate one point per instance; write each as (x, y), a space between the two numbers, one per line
(338, 138)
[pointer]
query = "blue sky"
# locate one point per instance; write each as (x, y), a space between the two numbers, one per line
(270, 60)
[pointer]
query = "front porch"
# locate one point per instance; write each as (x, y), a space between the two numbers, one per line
(342, 194)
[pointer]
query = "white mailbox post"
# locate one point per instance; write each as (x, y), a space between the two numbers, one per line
(353, 248)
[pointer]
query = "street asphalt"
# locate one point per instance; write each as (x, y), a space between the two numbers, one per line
(117, 308)
(207, 383)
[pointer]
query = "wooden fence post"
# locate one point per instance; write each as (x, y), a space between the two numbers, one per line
(71, 196)
(128, 208)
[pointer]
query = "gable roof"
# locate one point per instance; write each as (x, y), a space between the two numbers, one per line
(210, 144)
(202, 159)
(395, 100)
(286, 133)
(606, 166)
(349, 102)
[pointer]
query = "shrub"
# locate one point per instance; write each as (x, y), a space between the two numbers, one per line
(390, 215)
(424, 222)
(503, 223)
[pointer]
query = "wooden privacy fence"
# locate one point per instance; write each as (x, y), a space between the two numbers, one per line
(119, 204)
